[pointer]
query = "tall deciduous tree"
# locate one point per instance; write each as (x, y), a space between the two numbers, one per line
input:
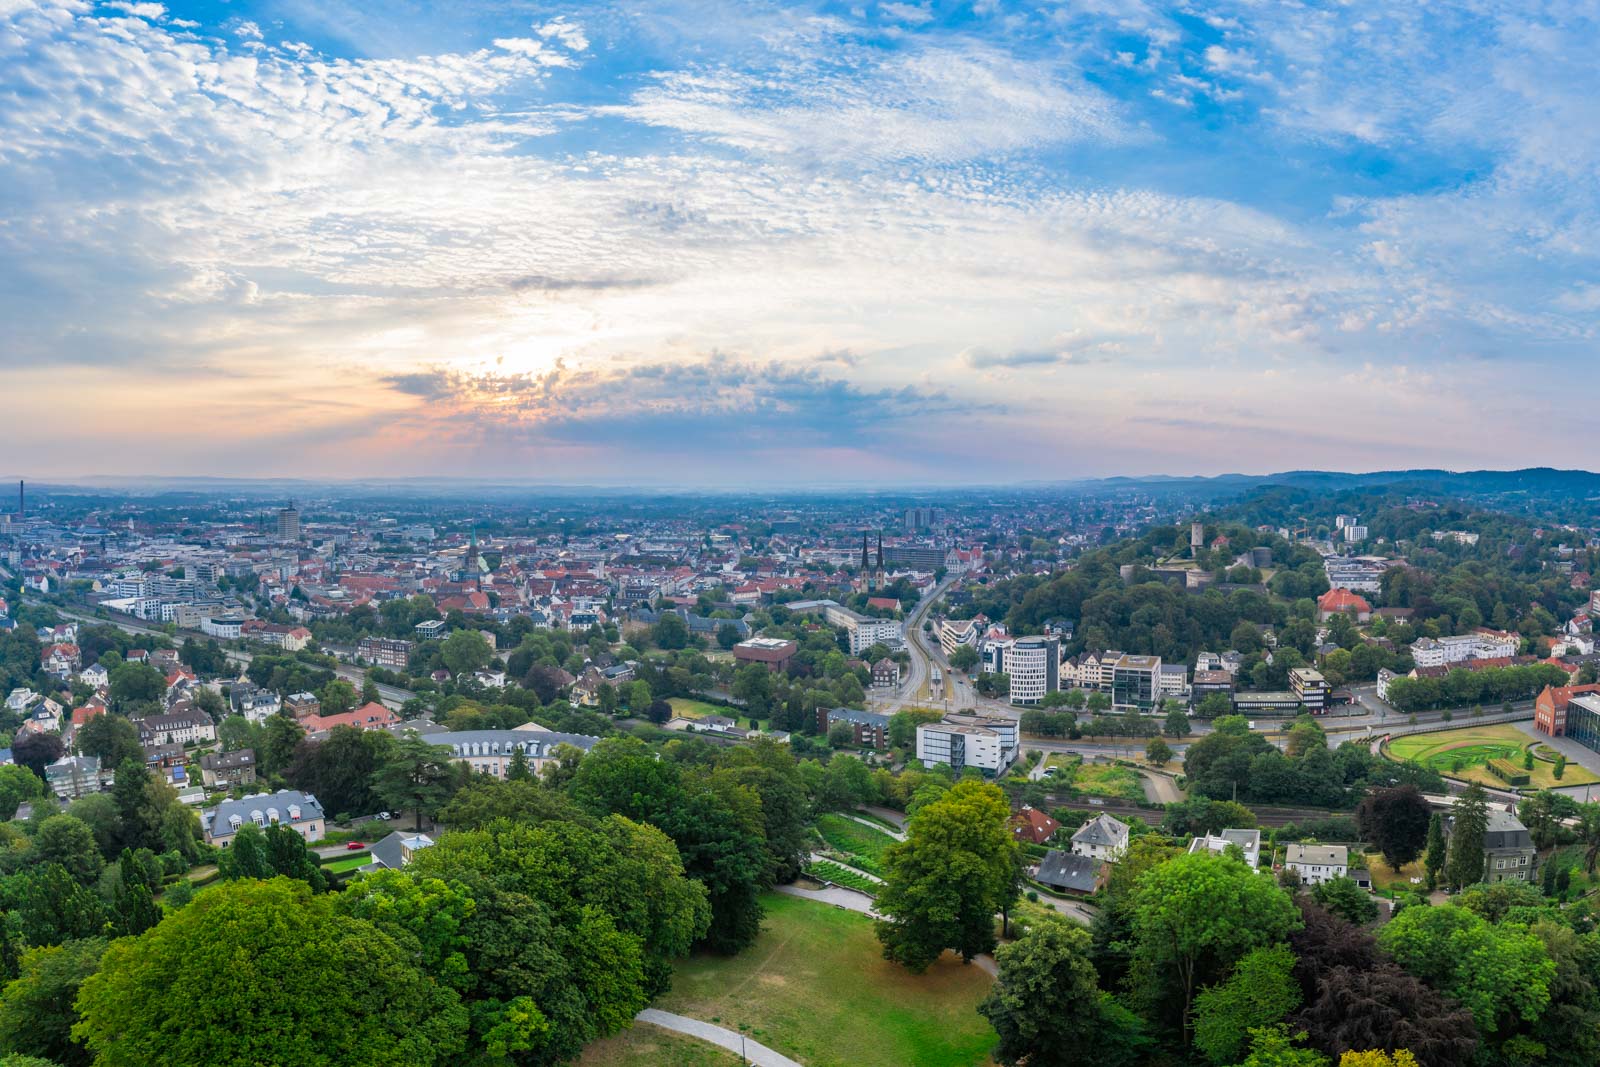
(1047, 1006)
(1500, 973)
(36, 1010)
(1396, 821)
(465, 651)
(110, 739)
(68, 841)
(1192, 919)
(17, 784)
(1260, 992)
(265, 972)
(945, 882)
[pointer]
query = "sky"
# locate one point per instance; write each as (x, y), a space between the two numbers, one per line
(699, 242)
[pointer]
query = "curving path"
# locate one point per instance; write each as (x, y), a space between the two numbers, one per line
(753, 1051)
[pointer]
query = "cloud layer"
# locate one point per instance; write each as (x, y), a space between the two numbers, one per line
(908, 241)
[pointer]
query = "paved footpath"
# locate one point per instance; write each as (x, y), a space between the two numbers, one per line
(733, 1041)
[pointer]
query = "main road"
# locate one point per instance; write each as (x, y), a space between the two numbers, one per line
(953, 693)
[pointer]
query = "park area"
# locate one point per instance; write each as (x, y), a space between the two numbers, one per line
(862, 846)
(815, 987)
(646, 1044)
(1465, 753)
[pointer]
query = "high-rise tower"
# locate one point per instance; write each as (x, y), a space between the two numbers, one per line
(289, 523)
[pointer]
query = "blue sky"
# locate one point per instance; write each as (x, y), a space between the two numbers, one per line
(728, 243)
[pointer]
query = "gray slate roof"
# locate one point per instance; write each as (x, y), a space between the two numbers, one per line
(1102, 830)
(1063, 870)
(218, 820)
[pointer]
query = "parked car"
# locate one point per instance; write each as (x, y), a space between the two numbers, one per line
(355, 846)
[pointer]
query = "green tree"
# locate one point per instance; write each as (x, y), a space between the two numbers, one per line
(1396, 821)
(1157, 752)
(133, 684)
(465, 651)
(1344, 898)
(337, 697)
(957, 867)
(1434, 860)
(51, 906)
(1260, 992)
(229, 980)
(246, 855)
(1501, 974)
(279, 736)
(36, 1010)
(670, 631)
(1469, 825)
(68, 841)
(1274, 1046)
(1047, 1006)
(416, 776)
(110, 739)
(519, 770)
(1176, 723)
(1193, 918)
(964, 658)
(17, 785)
(727, 636)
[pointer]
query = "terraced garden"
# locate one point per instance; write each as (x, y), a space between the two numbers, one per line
(864, 845)
(1466, 753)
(824, 871)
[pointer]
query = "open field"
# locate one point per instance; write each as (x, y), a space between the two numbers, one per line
(1094, 779)
(650, 1045)
(690, 708)
(865, 845)
(815, 986)
(1384, 878)
(1472, 747)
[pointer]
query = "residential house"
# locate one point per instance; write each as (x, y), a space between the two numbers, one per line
(1316, 864)
(1068, 873)
(870, 729)
(224, 770)
(1509, 855)
(71, 777)
(302, 705)
(286, 807)
(885, 674)
(1033, 826)
(397, 850)
(1249, 841)
(491, 751)
(184, 725)
(1101, 838)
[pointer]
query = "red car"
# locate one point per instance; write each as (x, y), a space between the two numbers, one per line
(355, 846)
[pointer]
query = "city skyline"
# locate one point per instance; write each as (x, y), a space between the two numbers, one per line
(729, 244)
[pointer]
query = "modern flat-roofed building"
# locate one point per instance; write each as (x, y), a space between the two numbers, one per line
(958, 745)
(774, 653)
(1249, 842)
(954, 633)
(1136, 683)
(1311, 687)
(1032, 665)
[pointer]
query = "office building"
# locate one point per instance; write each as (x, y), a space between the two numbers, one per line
(289, 523)
(1311, 687)
(1032, 664)
(1136, 683)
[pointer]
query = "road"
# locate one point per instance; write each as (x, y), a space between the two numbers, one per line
(392, 696)
(925, 655)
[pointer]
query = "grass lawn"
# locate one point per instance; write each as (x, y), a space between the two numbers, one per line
(815, 986)
(347, 863)
(646, 1044)
(865, 844)
(1384, 878)
(689, 708)
(1108, 780)
(1475, 746)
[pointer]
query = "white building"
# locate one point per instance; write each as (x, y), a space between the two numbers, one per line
(955, 633)
(961, 745)
(1480, 644)
(864, 631)
(1101, 838)
(1317, 863)
(1032, 665)
(287, 806)
(1248, 840)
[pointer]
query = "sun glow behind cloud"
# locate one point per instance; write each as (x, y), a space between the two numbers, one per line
(731, 242)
